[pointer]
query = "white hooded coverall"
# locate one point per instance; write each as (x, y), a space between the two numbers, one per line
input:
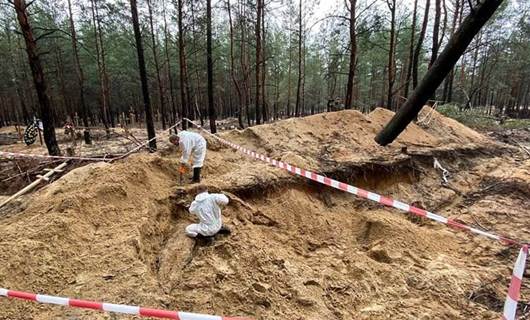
(194, 145)
(207, 207)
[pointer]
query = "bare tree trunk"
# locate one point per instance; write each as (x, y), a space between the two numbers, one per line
(38, 78)
(289, 72)
(302, 95)
(417, 52)
(60, 79)
(195, 109)
(276, 98)
(80, 75)
(448, 85)
(265, 105)
(348, 104)
(183, 69)
(154, 45)
(169, 74)
(143, 77)
(232, 71)
(411, 49)
(259, 5)
(101, 65)
(435, 32)
(298, 87)
(444, 25)
(244, 62)
(391, 54)
(209, 63)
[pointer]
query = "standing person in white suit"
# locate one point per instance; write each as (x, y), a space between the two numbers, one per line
(207, 207)
(192, 145)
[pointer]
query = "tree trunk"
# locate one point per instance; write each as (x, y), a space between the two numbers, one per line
(154, 45)
(289, 72)
(302, 95)
(232, 71)
(194, 98)
(444, 25)
(411, 49)
(183, 70)
(66, 110)
(101, 71)
(435, 37)
(38, 78)
(391, 54)
(143, 77)
(440, 68)
(244, 63)
(448, 85)
(265, 112)
(169, 74)
(348, 104)
(80, 76)
(209, 62)
(298, 87)
(435, 32)
(257, 103)
(106, 85)
(417, 51)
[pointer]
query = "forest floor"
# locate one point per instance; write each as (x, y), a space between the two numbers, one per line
(298, 250)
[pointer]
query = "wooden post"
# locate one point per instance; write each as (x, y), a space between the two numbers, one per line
(40, 178)
(40, 135)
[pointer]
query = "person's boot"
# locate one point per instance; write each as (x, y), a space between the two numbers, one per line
(204, 240)
(196, 175)
(224, 230)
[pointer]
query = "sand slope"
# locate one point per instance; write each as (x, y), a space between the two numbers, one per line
(114, 232)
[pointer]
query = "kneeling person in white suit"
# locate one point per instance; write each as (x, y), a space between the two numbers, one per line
(207, 207)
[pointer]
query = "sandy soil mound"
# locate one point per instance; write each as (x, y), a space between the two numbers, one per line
(114, 232)
(348, 136)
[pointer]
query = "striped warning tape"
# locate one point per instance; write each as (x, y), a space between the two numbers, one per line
(110, 307)
(14, 155)
(363, 193)
(514, 290)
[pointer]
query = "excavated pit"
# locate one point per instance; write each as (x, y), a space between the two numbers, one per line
(298, 250)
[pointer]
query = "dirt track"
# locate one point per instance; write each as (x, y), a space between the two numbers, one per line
(299, 251)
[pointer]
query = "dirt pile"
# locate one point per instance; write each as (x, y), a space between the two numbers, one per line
(348, 136)
(114, 232)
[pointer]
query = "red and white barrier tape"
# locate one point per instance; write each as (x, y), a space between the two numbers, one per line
(14, 155)
(110, 307)
(514, 291)
(361, 192)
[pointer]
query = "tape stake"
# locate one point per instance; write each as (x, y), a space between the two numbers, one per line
(514, 290)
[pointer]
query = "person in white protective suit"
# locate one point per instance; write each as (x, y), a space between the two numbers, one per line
(207, 207)
(193, 146)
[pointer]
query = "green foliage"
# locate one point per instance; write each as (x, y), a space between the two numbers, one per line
(497, 73)
(478, 118)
